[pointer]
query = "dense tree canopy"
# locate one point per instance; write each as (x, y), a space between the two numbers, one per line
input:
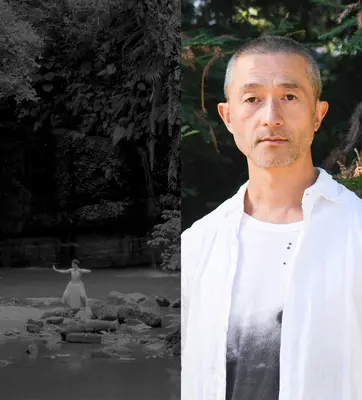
(212, 167)
(89, 96)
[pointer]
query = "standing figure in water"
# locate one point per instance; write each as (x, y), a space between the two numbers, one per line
(74, 295)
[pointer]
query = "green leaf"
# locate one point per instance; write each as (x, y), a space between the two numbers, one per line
(111, 69)
(118, 134)
(102, 72)
(347, 24)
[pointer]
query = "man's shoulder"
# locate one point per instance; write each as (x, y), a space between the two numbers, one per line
(210, 221)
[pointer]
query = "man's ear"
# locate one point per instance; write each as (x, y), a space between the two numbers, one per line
(321, 111)
(224, 112)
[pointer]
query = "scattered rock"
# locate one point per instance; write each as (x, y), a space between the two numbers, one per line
(173, 338)
(35, 322)
(150, 305)
(32, 349)
(84, 315)
(105, 312)
(60, 312)
(100, 353)
(176, 349)
(176, 303)
(151, 319)
(12, 332)
(55, 320)
(33, 328)
(162, 301)
(138, 328)
(155, 347)
(125, 298)
(84, 338)
(94, 326)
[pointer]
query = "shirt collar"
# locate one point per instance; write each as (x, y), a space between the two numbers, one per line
(325, 186)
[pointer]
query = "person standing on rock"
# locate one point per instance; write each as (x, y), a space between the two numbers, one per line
(74, 295)
(272, 278)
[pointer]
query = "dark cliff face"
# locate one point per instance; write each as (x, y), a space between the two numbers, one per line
(47, 192)
(95, 251)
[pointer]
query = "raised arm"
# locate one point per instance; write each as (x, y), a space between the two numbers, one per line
(61, 271)
(85, 271)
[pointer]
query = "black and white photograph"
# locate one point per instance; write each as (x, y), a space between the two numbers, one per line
(90, 209)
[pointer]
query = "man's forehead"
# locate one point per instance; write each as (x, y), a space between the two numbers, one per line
(278, 58)
(284, 70)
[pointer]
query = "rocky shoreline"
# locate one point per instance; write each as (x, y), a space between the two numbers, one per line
(122, 327)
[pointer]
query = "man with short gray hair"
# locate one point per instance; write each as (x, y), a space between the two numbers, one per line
(272, 279)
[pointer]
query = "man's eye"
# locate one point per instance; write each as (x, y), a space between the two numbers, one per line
(290, 97)
(251, 100)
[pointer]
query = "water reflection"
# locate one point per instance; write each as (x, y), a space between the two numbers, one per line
(78, 376)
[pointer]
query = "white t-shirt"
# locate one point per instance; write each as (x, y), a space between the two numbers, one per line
(260, 285)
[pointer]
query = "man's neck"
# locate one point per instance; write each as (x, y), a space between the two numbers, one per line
(275, 195)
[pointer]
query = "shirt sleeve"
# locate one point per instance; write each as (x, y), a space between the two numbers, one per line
(188, 264)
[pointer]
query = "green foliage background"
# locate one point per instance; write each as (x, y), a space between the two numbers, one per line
(212, 167)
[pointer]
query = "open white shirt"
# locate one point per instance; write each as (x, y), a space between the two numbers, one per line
(321, 336)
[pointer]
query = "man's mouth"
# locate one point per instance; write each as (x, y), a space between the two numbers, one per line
(273, 140)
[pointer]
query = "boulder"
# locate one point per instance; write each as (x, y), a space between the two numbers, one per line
(94, 326)
(35, 322)
(162, 301)
(176, 303)
(150, 305)
(149, 318)
(33, 328)
(55, 320)
(83, 338)
(105, 312)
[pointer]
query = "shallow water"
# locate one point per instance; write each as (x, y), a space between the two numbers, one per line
(39, 282)
(72, 374)
(78, 377)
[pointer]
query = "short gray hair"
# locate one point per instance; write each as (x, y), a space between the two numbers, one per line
(276, 44)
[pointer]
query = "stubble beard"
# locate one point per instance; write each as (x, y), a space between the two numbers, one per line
(267, 159)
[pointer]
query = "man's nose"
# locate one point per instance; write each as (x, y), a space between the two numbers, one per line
(272, 114)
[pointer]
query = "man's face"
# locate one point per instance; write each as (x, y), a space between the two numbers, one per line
(272, 111)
